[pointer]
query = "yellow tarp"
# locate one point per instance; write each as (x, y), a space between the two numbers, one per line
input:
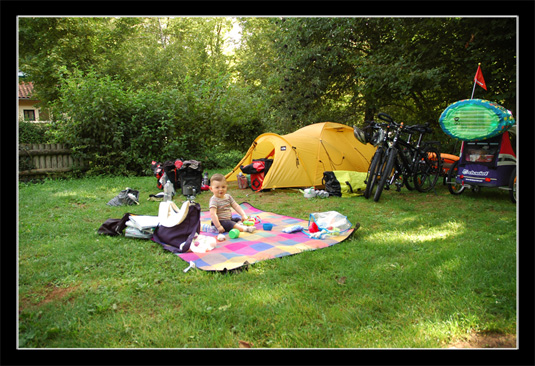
(301, 157)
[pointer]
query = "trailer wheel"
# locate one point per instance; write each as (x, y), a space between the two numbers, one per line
(453, 186)
(512, 186)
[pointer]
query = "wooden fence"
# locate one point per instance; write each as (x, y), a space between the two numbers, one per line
(45, 160)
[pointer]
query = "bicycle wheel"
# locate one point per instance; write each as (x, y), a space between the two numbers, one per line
(427, 169)
(453, 186)
(386, 173)
(512, 186)
(373, 172)
(408, 179)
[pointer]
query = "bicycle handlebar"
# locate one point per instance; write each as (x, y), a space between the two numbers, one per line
(411, 129)
(420, 128)
(385, 117)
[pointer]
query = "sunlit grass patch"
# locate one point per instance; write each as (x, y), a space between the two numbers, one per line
(409, 277)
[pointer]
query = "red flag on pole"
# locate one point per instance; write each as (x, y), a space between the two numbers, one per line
(479, 78)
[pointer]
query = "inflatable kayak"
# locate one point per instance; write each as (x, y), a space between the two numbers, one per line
(475, 119)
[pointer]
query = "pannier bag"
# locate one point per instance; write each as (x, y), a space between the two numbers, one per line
(447, 161)
(257, 170)
(170, 168)
(344, 183)
(190, 177)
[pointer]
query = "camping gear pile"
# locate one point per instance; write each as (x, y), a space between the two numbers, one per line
(176, 229)
(185, 175)
(487, 158)
(257, 170)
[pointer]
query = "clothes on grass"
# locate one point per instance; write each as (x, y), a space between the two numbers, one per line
(126, 197)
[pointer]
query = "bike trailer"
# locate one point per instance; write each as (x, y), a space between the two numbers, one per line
(487, 162)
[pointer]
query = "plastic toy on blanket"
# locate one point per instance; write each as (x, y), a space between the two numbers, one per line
(252, 220)
(323, 233)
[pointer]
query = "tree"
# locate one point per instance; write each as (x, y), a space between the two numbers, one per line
(348, 69)
(46, 44)
(175, 80)
(144, 52)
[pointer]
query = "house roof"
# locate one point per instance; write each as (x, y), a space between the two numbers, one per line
(25, 90)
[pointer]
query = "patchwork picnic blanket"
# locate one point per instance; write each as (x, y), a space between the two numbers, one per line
(249, 248)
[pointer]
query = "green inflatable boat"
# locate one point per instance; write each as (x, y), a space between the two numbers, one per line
(475, 119)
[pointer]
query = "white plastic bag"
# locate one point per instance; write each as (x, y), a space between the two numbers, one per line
(330, 220)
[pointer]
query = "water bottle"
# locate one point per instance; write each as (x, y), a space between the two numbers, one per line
(167, 192)
(205, 180)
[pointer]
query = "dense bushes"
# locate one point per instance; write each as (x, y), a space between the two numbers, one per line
(33, 133)
(115, 128)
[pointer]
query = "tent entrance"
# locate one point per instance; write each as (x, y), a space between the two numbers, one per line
(265, 149)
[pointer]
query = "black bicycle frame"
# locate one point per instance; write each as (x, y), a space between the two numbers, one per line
(402, 166)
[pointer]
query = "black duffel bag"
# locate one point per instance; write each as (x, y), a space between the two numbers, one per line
(344, 183)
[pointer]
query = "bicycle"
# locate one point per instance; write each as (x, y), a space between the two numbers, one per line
(416, 166)
(375, 133)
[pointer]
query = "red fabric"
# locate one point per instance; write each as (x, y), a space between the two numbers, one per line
(259, 165)
(256, 181)
(479, 78)
(506, 147)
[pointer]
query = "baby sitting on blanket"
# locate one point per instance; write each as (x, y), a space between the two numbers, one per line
(220, 207)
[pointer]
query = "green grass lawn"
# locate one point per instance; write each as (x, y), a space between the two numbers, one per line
(423, 271)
